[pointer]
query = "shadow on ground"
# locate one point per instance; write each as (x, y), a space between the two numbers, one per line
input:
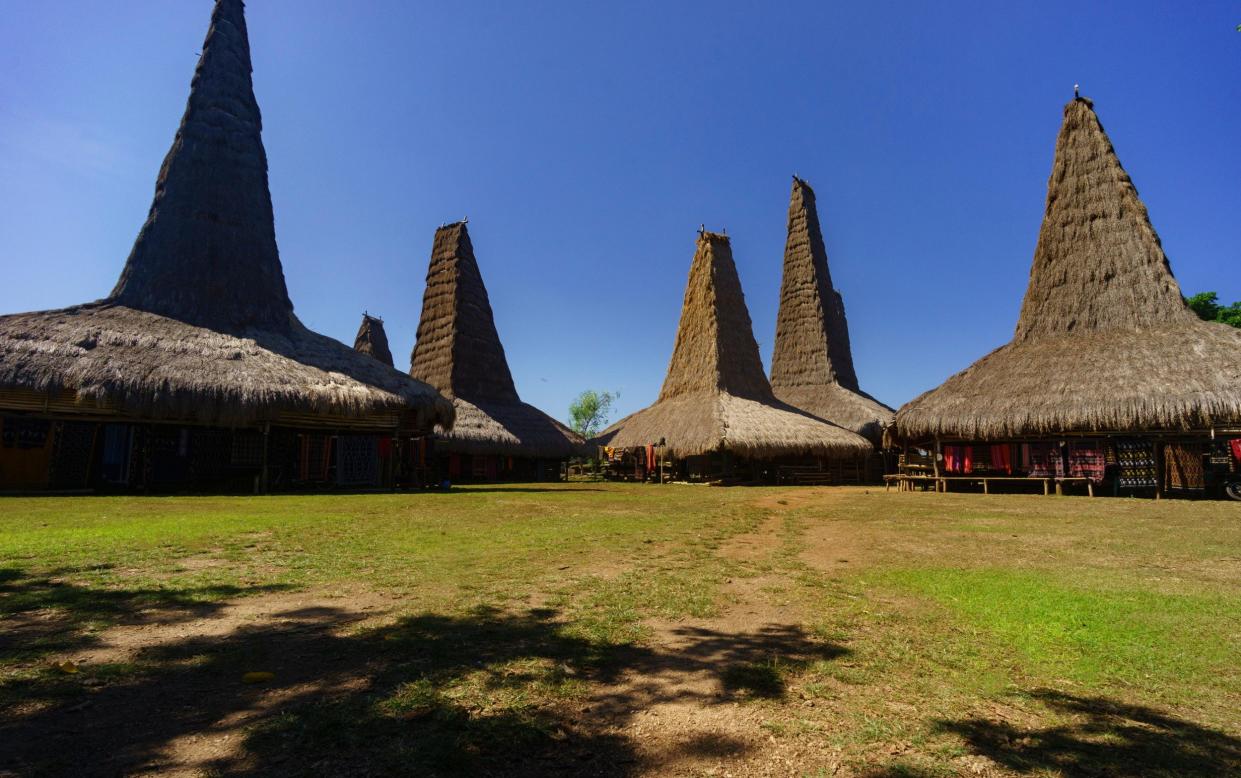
(1105, 738)
(486, 692)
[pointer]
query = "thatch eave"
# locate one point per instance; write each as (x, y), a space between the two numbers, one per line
(509, 429)
(156, 367)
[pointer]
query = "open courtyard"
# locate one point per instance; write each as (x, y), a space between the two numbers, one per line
(611, 629)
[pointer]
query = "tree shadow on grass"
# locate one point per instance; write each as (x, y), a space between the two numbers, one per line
(486, 692)
(1104, 738)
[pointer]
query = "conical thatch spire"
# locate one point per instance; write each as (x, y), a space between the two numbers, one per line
(812, 363)
(372, 340)
(1098, 264)
(812, 335)
(715, 348)
(715, 396)
(1105, 341)
(207, 253)
(200, 325)
(458, 350)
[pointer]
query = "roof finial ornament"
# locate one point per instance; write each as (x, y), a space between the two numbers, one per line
(1076, 91)
(466, 220)
(702, 228)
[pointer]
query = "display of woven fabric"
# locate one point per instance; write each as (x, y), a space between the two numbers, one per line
(73, 450)
(117, 453)
(1135, 461)
(246, 449)
(1045, 460)
(21, 432)
(209, 454)
(357, 460)
(168, 447)
(314, 457)
(1183, 466)
(1086, 461)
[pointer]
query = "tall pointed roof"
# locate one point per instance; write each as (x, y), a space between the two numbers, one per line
(715, 395)
(200, 325)
(372, 340)
(458, 351)
(812, 362)
(1098, 264)
(207, 253)
(715, 350)
(1105, 341)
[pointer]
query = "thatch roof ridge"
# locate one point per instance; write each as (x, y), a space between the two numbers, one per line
(457, 348)
(1105, 342)
(372, 340)
(207, 253)
(812, 361)
(1099, 263)
(716, 395)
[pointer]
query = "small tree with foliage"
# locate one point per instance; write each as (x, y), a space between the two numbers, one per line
(1208, 308)
(589, 412)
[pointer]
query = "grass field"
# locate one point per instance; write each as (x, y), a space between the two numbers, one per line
(607, 629)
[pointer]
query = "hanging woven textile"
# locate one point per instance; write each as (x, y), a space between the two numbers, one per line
(1086, 461)
(1183, 466)
(1044, 460)
(1001, 458)
(357, 460)
(74, 450)
(1135, 465)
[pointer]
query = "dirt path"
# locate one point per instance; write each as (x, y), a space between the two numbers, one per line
(692, 700)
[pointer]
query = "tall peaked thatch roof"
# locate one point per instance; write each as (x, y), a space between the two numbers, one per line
(200, 324)
(812, 363)
(1105, 340)
(458, 351)
(372, 340)
(715, 395)
(207, 252)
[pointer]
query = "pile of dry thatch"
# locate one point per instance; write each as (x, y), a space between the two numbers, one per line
(715, 395)
(458, 351)
(812, 363)
(200, 325)
(1105, 341)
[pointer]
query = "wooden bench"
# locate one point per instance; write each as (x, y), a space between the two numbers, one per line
(906, 482)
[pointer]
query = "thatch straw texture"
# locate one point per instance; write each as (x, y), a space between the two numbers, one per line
(200, 325)
(812, 363)
(161, 367)
(1105, 341)
(458, 351)
(372, 340)
(715, 396)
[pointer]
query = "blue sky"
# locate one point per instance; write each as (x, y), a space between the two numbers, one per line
(587, 141)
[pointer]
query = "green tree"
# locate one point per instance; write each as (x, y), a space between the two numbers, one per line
(1208, 308)
(1205, 304)
(589, 412)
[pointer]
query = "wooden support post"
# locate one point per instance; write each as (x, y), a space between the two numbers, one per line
(985, 488)
(1046, 487)
(264, 482)
(1059, 489)
(1089, 487)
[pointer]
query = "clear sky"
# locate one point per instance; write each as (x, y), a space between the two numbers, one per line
(586, 141)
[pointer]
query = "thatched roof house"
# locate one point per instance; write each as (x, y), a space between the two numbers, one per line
(812, 363)
(200, 326)
(372, 340)
(715, 396)
(1105, 341)
(458, 351)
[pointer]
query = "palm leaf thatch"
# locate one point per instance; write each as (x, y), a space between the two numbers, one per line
(1105, 341)
(812, 363)
(715, 395)
(372, 340)
(200, 324)
(458, 351)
